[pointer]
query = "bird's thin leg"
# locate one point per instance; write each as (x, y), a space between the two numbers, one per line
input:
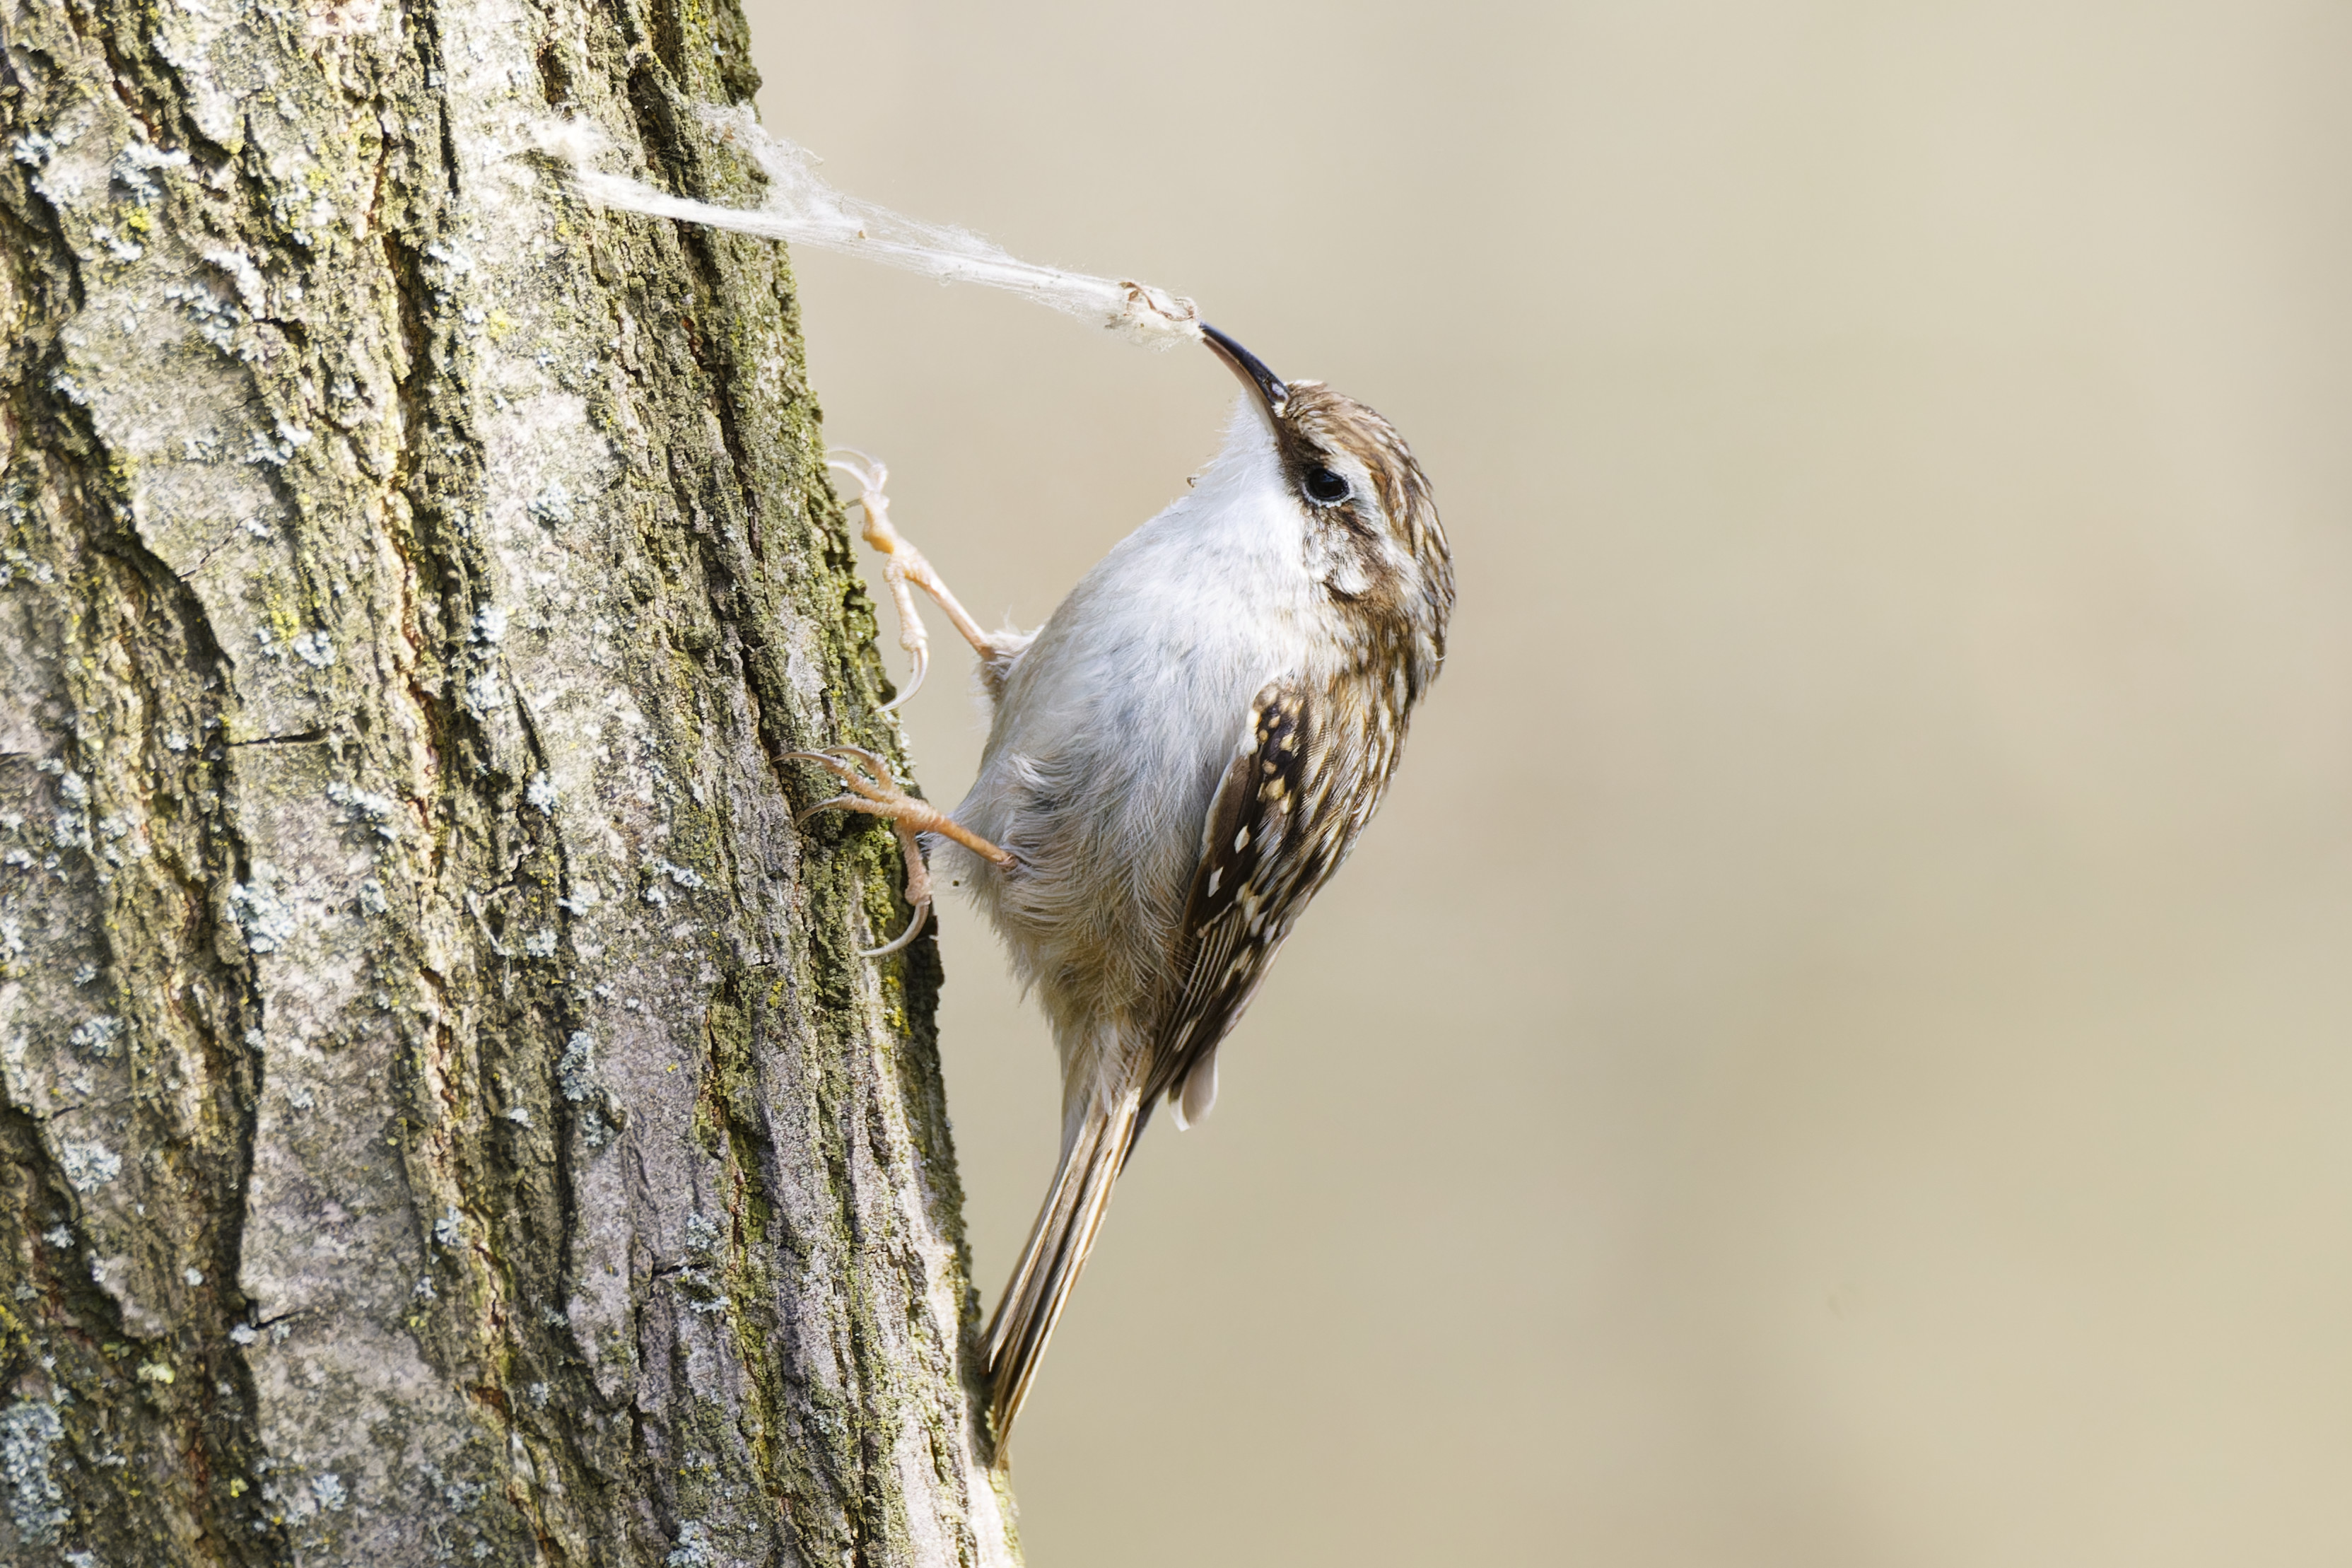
(902, 565)
(872, 790)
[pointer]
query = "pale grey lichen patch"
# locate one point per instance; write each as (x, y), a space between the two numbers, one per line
(97, 1035)
(266, 919)
(552, 505)
(214, 317)
(575, 1074)
(702, 1293)
(379, 810)
(485, 694)
(121, 250)
(276, 449)
(14, 1049)
(70, 829)
(30, 1430)
(34, 148)
(136, 168)
(656, 868)
(239, 266)
(450, 261)
(693, 1547)
(704, 1232)
(88, 1166)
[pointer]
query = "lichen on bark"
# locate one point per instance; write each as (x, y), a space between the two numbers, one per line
(442, 1114)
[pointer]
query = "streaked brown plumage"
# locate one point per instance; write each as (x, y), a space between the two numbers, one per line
(1181, 756)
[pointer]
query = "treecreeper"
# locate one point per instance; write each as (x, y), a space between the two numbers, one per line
(1178, 759)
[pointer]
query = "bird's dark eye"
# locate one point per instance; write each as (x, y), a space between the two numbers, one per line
(1325, 487)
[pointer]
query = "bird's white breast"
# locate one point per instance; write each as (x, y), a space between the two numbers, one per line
(1116, 724)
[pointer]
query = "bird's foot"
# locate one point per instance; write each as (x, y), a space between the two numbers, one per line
(904, 569)
(873, 791)
(901, 561)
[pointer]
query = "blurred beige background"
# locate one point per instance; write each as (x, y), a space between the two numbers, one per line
(1836, 1052)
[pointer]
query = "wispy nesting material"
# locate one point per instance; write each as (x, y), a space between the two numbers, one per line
(802, 209)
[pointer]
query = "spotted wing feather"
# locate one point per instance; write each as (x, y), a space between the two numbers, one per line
(1300, 786)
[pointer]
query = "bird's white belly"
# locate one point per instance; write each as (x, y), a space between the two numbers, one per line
(1139, 685)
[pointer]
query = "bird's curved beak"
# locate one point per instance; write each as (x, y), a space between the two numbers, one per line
(1249, 367)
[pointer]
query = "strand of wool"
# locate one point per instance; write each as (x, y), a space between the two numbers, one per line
(802, 209)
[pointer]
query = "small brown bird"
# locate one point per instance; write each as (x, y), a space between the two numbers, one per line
(1180, 758)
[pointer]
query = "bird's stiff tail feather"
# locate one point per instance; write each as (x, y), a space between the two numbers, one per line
(1064, 1232)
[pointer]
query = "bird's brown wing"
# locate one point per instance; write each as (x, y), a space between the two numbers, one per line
(1301, 785)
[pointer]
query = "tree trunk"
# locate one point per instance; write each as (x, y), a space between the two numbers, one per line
(444, 1118)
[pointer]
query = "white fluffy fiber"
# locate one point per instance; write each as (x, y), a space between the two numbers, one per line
(802, 209)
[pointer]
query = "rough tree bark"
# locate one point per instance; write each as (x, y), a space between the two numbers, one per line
(441, 1116)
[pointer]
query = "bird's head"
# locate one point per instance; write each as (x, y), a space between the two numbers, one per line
(1373, 538)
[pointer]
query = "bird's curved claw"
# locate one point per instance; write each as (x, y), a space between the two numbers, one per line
(919, 661)
(836, 804)
(836, 760)
(914, 929)
(870, 472)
